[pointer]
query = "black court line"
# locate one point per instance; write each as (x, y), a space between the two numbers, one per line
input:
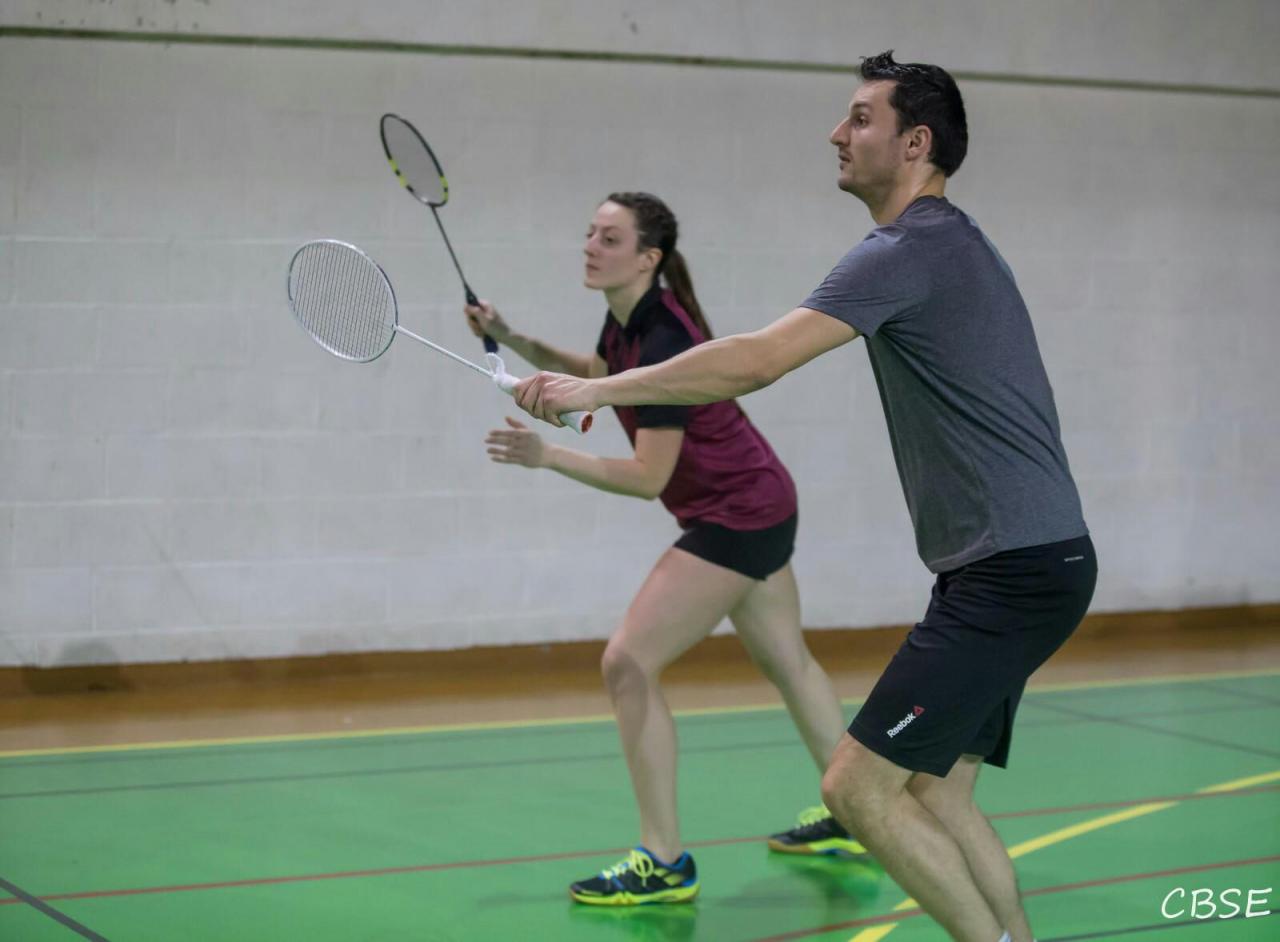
(1113, 933)
(1148, 728)
(323, 745)
(1024, 723)
(337, 740)
(634, 58)
(363, 773)
(1250, 695)
(408, 770)
(52, 913)
(403, 740)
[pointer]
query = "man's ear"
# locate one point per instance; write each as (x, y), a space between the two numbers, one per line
(919, 142)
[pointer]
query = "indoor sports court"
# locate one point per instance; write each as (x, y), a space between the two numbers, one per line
(314, 626)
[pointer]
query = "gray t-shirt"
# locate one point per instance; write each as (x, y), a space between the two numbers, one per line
(969, 408)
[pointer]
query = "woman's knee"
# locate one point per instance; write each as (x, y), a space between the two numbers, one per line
(621, 670)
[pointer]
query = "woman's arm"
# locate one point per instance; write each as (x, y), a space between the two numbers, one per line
(645, 475)
(485, 319)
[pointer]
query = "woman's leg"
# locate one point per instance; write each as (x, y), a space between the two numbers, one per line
(767, 620)
(680, 603)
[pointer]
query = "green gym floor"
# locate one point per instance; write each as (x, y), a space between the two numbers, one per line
(1120, 794)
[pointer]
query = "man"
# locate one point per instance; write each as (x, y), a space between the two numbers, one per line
(975, 436)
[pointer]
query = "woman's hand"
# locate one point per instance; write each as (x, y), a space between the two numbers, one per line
(483, 318)
(517, 445)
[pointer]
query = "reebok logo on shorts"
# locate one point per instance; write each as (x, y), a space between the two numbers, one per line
(905, 721)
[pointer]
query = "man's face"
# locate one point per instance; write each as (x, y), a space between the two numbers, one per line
(867, 141)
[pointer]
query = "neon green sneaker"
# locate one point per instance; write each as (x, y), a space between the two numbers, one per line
(638, 880)
(817, 832)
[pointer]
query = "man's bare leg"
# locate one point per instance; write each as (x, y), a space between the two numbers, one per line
(868, 794)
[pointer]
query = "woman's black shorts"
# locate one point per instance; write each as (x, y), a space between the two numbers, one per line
(755, 553)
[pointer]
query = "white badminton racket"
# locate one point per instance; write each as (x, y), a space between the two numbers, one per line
(345, 301)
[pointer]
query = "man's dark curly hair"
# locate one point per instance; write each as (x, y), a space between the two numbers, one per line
(925, 94)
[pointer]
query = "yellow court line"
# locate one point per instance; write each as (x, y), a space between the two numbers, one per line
(369, 733)
(1239, 783)
(876, 933)
(297, 737)
(562, 721)
(1075, 830)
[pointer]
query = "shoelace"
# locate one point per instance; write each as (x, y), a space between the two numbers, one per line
(811, 816)
(638, 863)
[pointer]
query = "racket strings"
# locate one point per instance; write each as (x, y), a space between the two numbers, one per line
(343, 300)
(352, 322)
(413, 161)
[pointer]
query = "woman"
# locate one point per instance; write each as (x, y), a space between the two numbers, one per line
(737, 506)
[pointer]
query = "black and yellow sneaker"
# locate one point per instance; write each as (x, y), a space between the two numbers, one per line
(638, 880)
(817, 832)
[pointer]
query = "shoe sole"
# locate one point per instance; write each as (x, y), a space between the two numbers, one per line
(822, 849)
(680, 895)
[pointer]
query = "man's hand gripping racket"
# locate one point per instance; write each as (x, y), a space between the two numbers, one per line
(552, 397)
(577, 419)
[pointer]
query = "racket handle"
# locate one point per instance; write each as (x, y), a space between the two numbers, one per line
(580, 422)
(490, 345)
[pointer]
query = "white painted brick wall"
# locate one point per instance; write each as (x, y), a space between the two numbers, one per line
(184, 475)
(1139, 40)
(46, 601)
(159, 467)
(165, 597)
(90, 534)
(52, 469)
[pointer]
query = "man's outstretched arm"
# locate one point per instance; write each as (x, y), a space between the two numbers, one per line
(719, 369)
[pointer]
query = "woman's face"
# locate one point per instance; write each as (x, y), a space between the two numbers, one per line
(614, 258)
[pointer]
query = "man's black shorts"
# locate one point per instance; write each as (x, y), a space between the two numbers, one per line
(954, 685)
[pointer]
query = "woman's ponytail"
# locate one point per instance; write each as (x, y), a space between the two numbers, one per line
(657, 227)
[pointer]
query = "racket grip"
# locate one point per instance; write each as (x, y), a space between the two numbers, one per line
(580, 422)
(490, 345)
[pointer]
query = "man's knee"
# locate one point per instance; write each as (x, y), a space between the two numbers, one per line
(859, 786)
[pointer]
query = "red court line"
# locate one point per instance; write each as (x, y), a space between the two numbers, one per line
(575, 854)
(347, 874)
(1042, 891)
